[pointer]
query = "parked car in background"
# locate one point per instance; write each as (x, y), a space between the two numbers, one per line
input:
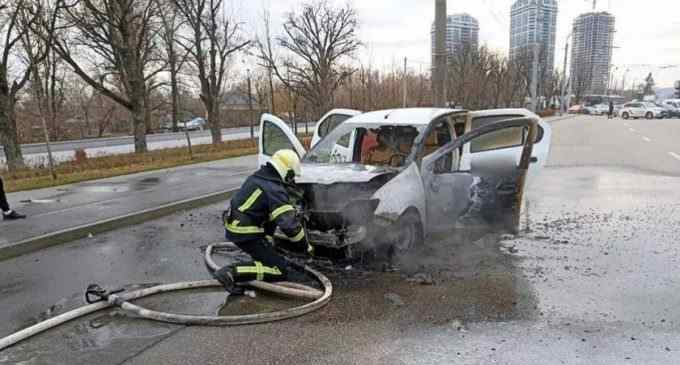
(575, 109)
(601, 109)
(196, 124)
(617, 109)
(642, 109)
(672, 107)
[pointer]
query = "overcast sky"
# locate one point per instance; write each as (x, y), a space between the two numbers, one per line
(648, 32)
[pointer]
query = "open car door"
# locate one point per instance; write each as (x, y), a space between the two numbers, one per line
(331, 120)
(495, 150)
(275, 135)
(455, 193)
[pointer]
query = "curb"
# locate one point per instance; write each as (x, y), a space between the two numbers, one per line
(564, 117)
(70, 234)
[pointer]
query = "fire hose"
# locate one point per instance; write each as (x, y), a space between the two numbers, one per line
(124, 301)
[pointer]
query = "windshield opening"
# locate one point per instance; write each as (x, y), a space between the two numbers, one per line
(369, 144)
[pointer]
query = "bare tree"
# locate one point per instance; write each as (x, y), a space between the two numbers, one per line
(118, 39)
(212, 39)
(13, 26)
(316, 40)
(174, 54)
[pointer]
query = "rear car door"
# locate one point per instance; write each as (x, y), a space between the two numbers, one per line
(331, 120)
(275, 135)
(637, 110)
(494, 197)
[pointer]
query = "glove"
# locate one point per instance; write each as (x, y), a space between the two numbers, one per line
(310, 249)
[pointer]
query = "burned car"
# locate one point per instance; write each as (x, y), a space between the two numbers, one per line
(393, 177)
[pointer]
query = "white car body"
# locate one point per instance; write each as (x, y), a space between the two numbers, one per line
(641, 109)
(437, 195)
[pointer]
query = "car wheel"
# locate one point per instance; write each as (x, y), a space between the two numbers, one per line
(409, 233)
(649, 115)
(625, 115)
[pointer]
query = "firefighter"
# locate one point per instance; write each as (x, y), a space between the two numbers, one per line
(261, 205)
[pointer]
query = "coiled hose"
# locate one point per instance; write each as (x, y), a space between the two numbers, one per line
(123, 300)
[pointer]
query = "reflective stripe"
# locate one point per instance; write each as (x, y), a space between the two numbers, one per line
(259, 270)
(280, 210)
(233, 227)
(260, 274)
(298, 237)
(250, 201)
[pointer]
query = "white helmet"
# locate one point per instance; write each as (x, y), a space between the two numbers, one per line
(287, 164)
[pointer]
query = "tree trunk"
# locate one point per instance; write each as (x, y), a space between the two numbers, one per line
(214, 123)
(138, 115)
(8, 134)
(175, 96)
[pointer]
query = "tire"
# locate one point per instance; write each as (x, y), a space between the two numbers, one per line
(649, 115)
(409, 233)
(625, 115)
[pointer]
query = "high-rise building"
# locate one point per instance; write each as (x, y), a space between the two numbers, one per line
(462, 30)
(591, 53)
(534, 22)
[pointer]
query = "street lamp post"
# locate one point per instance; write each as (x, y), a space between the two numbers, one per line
(563, 100)
(250, 107)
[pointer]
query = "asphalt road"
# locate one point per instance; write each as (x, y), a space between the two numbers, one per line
(592, 279)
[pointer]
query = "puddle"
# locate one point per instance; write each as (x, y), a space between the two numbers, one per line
(105, 188)
(146, 183)
(39, 201)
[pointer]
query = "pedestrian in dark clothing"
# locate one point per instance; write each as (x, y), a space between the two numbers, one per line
(611, 110)
(7, 212)
(256, 210)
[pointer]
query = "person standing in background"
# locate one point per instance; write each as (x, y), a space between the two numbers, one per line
(7, 212)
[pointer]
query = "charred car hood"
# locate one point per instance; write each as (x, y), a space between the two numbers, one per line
(339, 173)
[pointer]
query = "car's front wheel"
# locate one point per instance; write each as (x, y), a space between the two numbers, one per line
(409, 233)
(625, 115)
(649, 115)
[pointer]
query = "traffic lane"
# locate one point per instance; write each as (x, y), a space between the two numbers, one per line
(57, 146)
(661, 133)
(41, 159)
(598, 141)
(87, 202)
(599, 255)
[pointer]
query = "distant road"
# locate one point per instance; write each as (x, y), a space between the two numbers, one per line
(36, 153)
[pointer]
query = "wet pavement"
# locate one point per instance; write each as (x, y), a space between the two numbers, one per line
(68, 206)
(591, 279)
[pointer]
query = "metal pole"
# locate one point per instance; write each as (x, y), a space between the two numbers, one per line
(404, 84)
(563, 106)
(439, 67)
(250, 107)
(534, 79)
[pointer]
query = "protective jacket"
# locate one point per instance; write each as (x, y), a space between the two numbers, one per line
(262, 204)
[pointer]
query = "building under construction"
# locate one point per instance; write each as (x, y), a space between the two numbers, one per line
(533, 23)
(591, 54)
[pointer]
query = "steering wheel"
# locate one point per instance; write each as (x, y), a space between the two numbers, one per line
(401, 156)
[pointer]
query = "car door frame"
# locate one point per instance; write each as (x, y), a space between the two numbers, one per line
(262, 158)
(316, 138)
(427, 163)
(540, 151)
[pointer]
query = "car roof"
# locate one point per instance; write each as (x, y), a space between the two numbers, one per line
(406, 116)
(506, 111)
